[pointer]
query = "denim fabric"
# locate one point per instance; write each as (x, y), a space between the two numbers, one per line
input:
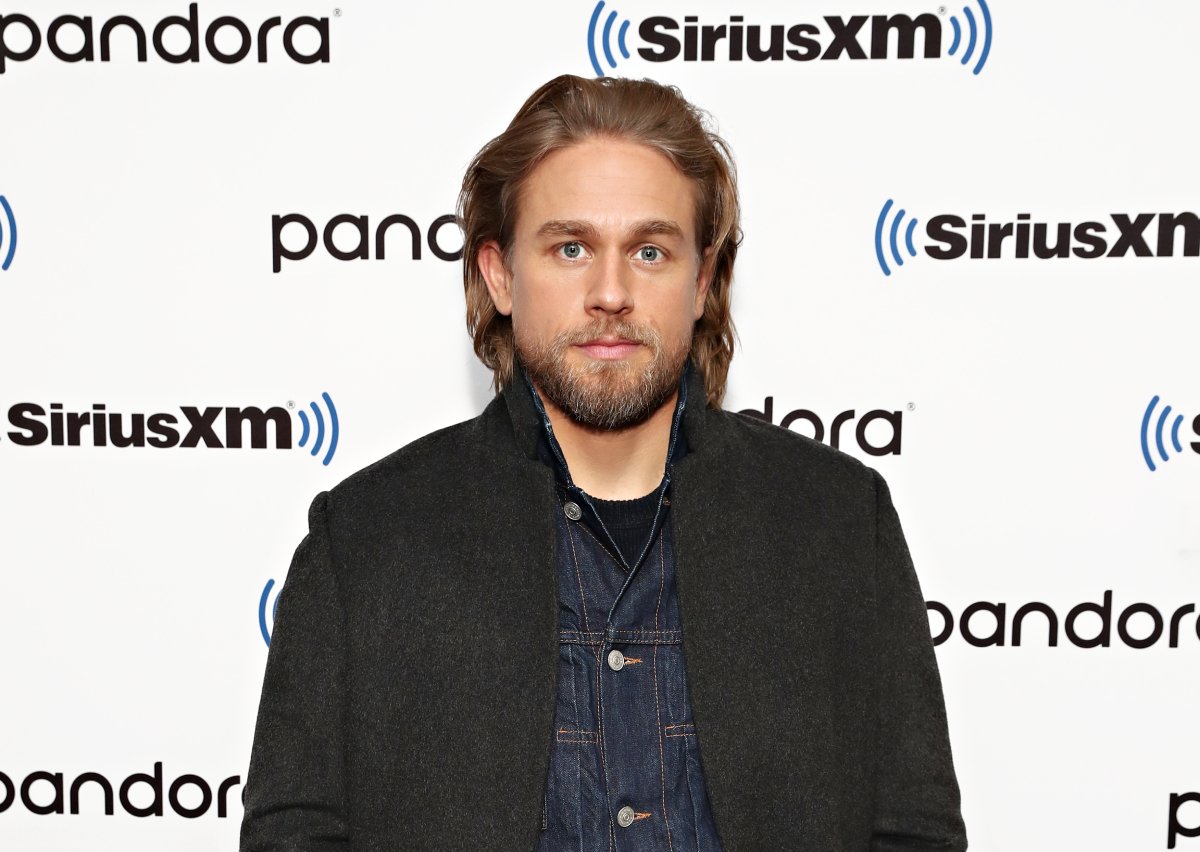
(624, 738)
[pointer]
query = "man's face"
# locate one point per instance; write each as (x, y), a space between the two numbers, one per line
(604, 281)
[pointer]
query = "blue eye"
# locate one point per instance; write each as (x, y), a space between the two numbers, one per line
(649, 253)
(572, 250)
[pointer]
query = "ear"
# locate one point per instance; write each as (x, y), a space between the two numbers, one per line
(490, 263)
(708, 261)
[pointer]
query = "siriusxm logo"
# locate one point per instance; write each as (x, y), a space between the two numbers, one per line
(363, 246)
(8, 236)
(212, 427)
(267, 604)
(319, 428)
(21, 38)
(1155, 429)
(950, 237)
(834, 37)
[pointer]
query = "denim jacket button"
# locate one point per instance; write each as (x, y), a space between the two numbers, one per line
(572, 511)
(625, 817)
(616, 660)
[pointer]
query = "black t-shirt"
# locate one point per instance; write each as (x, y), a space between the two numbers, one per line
(628, 522)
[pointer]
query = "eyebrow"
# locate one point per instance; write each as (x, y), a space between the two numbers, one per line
(580, 228)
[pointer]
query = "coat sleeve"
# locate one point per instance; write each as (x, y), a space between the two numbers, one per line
(295, 789)
(916, 793)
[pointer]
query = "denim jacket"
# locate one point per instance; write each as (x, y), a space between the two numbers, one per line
(625, 770)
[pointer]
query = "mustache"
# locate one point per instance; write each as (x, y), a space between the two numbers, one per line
(609, 328)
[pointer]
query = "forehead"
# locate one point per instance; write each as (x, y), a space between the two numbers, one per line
(610, 183)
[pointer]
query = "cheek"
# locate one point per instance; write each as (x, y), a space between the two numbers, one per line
(674, 314)
(526, 292)
(540, 307)
(684, 302)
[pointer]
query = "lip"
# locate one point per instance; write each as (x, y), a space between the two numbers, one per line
(609, 348)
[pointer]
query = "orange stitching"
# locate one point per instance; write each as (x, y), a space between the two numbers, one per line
(578, 578)
(600, 739)
(576, 737)
(680, 725)
(640, 815)
(617, 562)
(662, 771)
(662, 571)
(631, 660)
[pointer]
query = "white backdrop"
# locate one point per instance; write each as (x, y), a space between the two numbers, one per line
(141, 279)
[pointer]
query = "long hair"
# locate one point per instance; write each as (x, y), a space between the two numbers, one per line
(568, 110)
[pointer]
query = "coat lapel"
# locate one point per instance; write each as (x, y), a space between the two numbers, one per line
(713, 510)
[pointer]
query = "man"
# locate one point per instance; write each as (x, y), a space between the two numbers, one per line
(604, 615)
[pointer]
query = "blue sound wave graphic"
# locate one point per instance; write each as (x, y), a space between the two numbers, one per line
(12, 234)
(319, 419)
(893, 237)
(973, 31)
(262, 612)
(605, 40)
(1159, 430)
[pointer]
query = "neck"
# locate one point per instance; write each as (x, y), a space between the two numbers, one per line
(615, 465)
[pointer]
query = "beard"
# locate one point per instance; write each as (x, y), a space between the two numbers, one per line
(605, 395)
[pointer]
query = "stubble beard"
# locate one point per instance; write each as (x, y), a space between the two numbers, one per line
(605, 395)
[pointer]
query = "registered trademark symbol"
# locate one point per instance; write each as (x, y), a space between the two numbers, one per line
(941, 10)
(912, 406)
(337, 13)
(292, 404)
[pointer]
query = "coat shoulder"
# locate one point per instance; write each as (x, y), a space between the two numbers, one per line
(780, 457)
(426, 472)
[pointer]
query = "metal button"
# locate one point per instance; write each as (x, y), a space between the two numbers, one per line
(625, 817)
(616, 660)
(572, 511)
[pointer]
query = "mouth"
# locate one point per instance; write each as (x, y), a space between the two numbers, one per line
(609, 348)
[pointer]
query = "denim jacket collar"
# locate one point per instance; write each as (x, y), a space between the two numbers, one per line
(547, 449)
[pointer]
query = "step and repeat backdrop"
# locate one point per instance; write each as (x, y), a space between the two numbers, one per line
(230, 277)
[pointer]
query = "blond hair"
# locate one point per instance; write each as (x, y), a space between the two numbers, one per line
(563, 112)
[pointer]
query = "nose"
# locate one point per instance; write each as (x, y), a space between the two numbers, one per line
(608, 287)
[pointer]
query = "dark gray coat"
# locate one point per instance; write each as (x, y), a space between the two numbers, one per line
(409, 695)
